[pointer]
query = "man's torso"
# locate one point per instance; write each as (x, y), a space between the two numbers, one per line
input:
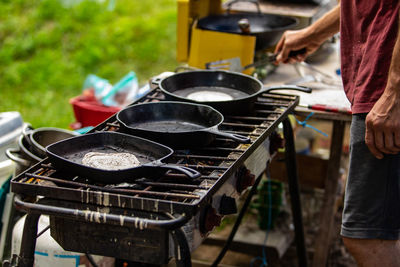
(368, 33)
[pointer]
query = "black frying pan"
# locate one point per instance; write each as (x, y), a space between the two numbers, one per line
(228, 92)
(68, 154)
(176, 124)
(267, 28)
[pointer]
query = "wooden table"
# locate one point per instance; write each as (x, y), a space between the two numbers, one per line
(328, 209)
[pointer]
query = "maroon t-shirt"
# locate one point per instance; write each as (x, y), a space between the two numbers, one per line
(368, 32)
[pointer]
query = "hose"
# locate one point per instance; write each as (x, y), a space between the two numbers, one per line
(242, 212)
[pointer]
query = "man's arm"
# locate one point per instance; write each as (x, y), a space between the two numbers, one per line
(309, 38)
(383, 121)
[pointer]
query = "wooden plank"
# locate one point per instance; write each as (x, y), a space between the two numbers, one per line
(311, 170)
(322, 115)
(250, 239)
(252, 242)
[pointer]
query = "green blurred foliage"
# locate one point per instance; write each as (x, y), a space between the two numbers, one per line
(48, 47)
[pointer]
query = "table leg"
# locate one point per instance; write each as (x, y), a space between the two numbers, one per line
(328, 209)
(293, 183)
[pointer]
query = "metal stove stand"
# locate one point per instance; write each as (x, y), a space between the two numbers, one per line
(153, 209)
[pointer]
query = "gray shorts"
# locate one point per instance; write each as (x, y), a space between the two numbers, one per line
(372, 198)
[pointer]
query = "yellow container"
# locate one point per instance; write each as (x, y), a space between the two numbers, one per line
(210, 46)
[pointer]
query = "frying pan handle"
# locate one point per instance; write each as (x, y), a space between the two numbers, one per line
(237, 137)
(230, 3)
(10, 155)
(156, 81)
(285, 87)
(192, 174)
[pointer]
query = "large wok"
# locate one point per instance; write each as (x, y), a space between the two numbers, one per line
(267, 28)
(228, 92)
(68, 154)
(175, 124)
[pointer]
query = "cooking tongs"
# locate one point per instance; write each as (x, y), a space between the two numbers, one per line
(234, 64)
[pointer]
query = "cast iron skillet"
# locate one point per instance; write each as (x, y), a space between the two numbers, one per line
(228, 92)
(175, 124)
(68, 154)
(267, 28)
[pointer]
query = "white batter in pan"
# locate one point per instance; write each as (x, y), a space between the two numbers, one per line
(110, 161)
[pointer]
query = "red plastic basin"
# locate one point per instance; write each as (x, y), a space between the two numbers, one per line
(89, 112)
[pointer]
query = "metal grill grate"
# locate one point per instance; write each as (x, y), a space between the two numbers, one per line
(171, 192)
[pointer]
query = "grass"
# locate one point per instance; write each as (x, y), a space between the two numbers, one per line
(48, 47)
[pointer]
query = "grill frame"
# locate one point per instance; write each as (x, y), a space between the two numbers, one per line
(179, 213)
(285, 103)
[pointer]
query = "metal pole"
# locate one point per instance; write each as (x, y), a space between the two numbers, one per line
(28, 242)
(291, 167)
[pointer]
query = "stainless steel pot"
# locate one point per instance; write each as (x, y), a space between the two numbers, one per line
(21, 163)
(26, 150)
(42, 137)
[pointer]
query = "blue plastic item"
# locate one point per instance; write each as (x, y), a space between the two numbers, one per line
(123, 92)
(101, 86)
(84, 130)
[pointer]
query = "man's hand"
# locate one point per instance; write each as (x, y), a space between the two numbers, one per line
(309, 38)
(382, 134)
(293, 41)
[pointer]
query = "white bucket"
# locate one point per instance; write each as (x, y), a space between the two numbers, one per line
(48, 253)
(11, 125)
(7, 169)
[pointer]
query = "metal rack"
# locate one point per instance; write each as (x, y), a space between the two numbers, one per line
(160, 206)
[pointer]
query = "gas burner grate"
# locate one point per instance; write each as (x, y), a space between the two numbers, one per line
(172, 192)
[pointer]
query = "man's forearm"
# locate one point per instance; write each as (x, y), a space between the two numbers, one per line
(382, 134)
(394, 71)
(309, 38)
(326, 26)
